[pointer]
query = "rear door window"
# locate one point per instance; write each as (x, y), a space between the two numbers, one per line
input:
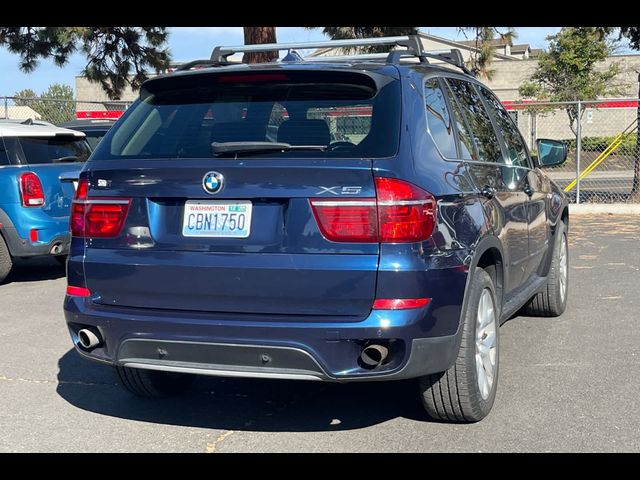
(345, 113)
(477, 117)
(41, 150)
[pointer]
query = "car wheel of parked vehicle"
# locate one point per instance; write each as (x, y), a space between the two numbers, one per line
(465, 392)
(552, 300)
(153, 383)
(5, 260)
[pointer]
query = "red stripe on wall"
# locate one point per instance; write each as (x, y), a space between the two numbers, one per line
(511, 105)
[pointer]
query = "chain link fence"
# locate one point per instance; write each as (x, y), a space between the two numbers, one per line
(603, 160)
(58, 111)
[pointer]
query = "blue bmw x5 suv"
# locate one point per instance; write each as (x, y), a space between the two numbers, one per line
(340, 220)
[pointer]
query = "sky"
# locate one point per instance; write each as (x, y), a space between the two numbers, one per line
(188, 43)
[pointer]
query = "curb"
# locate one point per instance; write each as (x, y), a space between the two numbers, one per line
(604, 209)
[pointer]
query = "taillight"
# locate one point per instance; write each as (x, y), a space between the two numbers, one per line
(406, 213)
(401, 213)
(31, 191)
(97, 217)
(347, 220)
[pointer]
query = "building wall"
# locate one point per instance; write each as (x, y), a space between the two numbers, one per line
(508, 75)
(93, 91)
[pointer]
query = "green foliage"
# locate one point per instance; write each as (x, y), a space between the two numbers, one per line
(55, 104)
(599, 144)
(342, 33)
(567, 70)
(480, 59)
(116, 56)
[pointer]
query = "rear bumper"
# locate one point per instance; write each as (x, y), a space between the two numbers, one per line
(203, 344)
(51, 232)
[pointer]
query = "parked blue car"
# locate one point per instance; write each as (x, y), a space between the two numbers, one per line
(39, 166)
(219, 230)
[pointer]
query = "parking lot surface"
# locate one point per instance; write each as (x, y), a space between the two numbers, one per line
(566, 384)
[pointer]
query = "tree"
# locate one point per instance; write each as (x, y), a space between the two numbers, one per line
(256, 35)
(116, 56)
(482, 56)
(56, 104)
(567, 71)
(342, 33)
(633, 35)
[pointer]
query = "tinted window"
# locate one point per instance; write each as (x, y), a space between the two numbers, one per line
(478, 120)
(94, 136)
(467, 148)
(180, 116)
(516, 150)
(37, 150)
(4, 158)
(438, 120)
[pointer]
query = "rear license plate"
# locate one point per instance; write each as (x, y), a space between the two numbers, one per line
(217, 218)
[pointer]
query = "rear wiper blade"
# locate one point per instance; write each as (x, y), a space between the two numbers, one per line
(69, 158)
(226, 148)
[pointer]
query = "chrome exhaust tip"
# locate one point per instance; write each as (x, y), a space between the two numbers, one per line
(89, 339)
(374, 355)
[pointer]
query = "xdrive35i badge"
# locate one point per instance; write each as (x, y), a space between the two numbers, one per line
(213, 182)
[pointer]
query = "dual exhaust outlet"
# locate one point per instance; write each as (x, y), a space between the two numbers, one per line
(374, 355)
(89, 338)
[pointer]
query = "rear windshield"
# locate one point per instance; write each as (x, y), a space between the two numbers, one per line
(38, 150)
(180, 117)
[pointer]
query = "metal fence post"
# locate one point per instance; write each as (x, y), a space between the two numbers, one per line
(578, 151)
(6, 108)
(534, 122)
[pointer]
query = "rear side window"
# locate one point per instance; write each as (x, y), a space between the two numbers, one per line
(39, 150)
(478, 120)
(94, 136)
(4, 157)
(516, 150)
(438, 119)
(347, 114)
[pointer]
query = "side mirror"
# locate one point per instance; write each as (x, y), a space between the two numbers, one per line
(551, 153)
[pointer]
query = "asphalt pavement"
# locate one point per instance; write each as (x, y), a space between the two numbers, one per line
(566, 384)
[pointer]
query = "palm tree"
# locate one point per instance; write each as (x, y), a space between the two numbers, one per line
(342, 33)
(481, 58)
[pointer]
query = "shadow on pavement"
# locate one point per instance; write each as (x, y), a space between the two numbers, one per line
(242, 404)
(35, 270)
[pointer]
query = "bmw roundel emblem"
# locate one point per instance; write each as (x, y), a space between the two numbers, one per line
(212, 182)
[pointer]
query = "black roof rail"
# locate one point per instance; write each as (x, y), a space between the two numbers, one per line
(204, 62)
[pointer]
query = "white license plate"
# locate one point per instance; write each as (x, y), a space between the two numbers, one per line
(217, 218)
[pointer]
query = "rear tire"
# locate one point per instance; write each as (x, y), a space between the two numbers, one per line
(6, 263)
(153, 383)
(465, 393)
(552, 300)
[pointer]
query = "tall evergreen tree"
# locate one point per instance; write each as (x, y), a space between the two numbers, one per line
(116, 56)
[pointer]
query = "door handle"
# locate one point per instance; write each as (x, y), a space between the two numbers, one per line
(528, 190)
(488, 191)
